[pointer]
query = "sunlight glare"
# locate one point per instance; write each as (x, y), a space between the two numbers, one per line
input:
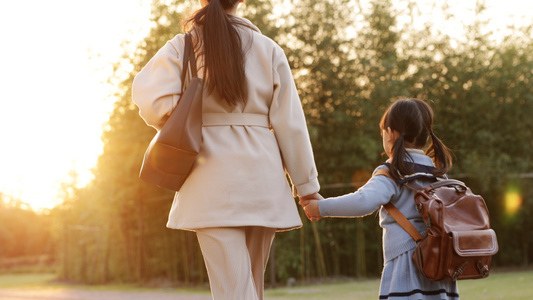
(55, 94)
(513, 201)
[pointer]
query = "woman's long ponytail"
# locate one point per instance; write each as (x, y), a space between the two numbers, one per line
(222, 49)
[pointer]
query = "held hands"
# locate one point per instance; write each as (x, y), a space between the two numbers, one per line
(310, 206)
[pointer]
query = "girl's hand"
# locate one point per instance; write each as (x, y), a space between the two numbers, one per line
(311, 209)
(310, 206)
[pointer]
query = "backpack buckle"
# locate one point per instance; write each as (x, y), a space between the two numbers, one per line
(459, 189)
(459, 271)
(483, 269)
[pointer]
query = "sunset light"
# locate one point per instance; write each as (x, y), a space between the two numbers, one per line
(56, 59)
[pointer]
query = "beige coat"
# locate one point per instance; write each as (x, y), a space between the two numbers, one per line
(240, 178)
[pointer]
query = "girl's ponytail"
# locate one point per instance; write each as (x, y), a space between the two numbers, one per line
(442, 155)
(398, 165)
(222, 49)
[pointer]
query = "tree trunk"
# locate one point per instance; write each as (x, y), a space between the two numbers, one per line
(322, 263)
(140, 241)
(360, 259)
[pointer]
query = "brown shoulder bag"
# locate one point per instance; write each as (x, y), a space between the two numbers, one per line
(172, 152)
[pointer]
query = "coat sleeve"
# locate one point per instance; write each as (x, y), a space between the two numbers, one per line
(288, 122)
(157, 87)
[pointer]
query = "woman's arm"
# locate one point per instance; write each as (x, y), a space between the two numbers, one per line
(157, 87)
(290, 128)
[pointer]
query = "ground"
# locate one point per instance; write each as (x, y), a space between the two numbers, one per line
(61, 294)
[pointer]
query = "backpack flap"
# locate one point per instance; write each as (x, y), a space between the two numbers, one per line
(475, 242)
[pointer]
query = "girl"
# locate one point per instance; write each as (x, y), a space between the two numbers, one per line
(406, 128)
(254, 129)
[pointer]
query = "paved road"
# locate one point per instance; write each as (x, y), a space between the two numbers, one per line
(58, 294)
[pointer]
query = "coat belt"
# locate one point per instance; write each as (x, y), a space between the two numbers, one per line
(237, 119)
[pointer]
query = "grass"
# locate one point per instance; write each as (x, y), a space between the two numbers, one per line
(353, 289)
(505, 285)
(514, 285)
(40, 281)
(37, 280)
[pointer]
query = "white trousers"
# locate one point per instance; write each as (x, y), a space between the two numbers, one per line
(236, 259)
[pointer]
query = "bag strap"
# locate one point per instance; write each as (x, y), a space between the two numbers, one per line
(403, 221)
(189, 63)
(185, 62)
(397, 215)
(191, 54)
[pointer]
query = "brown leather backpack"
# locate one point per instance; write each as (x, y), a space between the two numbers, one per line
(459, 242)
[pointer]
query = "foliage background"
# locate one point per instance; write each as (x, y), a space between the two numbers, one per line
(349, 62)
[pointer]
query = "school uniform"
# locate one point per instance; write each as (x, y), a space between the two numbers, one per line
(400, 278)
(240, 178)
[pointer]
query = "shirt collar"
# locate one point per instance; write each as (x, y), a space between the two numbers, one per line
(414, 150)
(417, 156)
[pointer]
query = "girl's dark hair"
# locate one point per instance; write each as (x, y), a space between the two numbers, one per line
(223, 54)
(413, 120)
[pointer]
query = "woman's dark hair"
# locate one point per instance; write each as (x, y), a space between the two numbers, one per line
(223, 53)
(413, 120)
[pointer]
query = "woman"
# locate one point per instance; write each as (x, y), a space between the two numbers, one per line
(254, 131)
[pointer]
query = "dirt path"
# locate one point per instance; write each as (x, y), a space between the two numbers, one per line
(53, 294)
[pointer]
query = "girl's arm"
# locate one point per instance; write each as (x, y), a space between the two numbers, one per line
(378, 191)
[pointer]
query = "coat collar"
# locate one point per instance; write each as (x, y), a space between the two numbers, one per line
(245, 23)
(241, 22)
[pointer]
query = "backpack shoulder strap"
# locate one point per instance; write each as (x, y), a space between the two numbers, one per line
(384, 172)
(397, 215)
(403, 221)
